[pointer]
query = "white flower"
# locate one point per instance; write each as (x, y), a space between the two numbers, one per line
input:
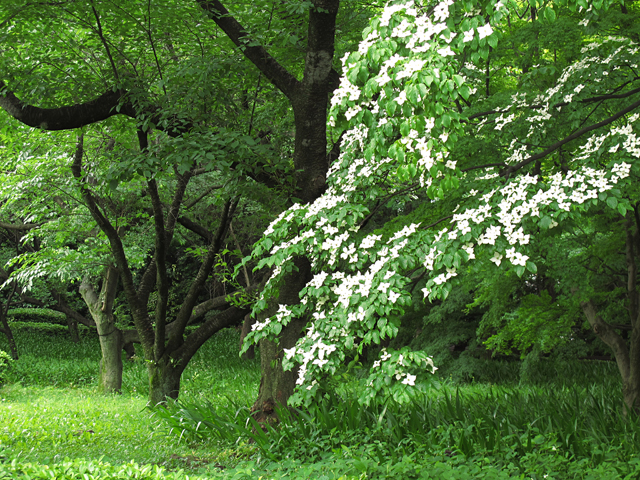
(497, 259)
(485, 31)
(393, 296)
(446, 52)
(410, 380)
(468, 36)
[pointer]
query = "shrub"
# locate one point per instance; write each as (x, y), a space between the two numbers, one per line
(40, 315)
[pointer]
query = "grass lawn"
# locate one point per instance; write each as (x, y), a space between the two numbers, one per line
(54, 424)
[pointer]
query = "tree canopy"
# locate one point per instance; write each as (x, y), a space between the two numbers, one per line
(472, 132)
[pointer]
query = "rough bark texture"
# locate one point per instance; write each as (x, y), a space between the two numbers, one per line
(164, 381)
(277, 385)
(309, 99)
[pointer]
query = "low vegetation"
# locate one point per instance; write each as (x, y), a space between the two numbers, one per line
(563, 424)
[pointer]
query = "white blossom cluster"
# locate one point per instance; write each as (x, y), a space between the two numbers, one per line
(360, 284)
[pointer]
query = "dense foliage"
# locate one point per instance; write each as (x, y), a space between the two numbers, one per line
(463, 146)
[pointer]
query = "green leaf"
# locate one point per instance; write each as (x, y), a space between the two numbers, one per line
(622, 209)
(612, 202)
(545, 222)
(550, 14)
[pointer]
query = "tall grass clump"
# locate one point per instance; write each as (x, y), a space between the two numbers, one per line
(506, 423)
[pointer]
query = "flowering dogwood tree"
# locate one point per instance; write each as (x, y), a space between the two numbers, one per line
(427, 122)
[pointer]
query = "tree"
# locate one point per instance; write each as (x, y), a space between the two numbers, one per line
(427, 118)
(147, 86)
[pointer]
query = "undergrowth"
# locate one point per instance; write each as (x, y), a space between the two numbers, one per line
(560, 424)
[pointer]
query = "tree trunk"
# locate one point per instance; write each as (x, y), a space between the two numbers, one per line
(111, 338)
(631, 387)
(13, 349)
(276, 385)
(6, 329)
(73, 329)
(164, 380)
(248, 322)
(111, 362)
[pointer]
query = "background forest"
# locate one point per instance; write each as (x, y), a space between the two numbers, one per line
(319, 239)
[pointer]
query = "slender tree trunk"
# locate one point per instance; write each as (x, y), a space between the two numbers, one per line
(73, 329)
(111, 338)
(13, 349)
(248, 322)
(6, 329)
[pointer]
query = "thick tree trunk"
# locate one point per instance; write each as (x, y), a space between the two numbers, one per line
(276, 385)
(164, 380)
(111, 361)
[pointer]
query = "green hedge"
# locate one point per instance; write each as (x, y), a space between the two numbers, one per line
(39, 315)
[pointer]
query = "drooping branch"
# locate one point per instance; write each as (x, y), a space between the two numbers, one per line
(195, 227)
(599, 98)
(65, 118)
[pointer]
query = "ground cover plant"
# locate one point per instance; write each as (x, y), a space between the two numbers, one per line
(562, 424)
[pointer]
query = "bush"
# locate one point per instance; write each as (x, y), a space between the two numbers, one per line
(5, 364)
(40, 315)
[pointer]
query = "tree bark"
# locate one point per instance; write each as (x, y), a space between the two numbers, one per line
(73, 329)
(6, 329)
(110, 336)
(627, 355)
(247, 323)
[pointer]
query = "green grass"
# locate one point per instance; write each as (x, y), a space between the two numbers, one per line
(566, 424)
(51, 410)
